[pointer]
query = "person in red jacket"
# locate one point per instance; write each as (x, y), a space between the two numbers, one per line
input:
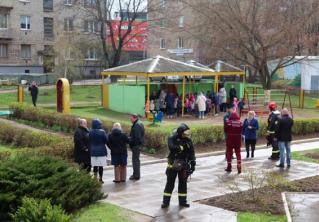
(233, 130)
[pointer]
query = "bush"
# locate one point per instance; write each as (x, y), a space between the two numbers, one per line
(40, 211)
(43, 177)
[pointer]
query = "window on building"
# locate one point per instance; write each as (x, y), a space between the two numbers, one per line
(48, 5)
(91, 26)
(162, 43)
(25, 22)
(68, 24)
(163, 3)
(67, 2)
(180, 43)
(68, 54)
(3, 50)
(91, 54)
(48, 27)
(26, 51)
(3, 20)
(181, 22)
(90, 3)
(162, 23)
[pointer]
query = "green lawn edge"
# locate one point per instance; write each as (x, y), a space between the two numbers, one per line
(260, 217)
(300, 155)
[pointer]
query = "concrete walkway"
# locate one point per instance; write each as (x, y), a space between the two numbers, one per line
(209, 180)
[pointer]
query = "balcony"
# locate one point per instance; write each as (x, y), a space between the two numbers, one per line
(6, 4)
(5, 34)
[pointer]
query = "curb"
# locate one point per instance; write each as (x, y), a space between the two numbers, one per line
(284, 199)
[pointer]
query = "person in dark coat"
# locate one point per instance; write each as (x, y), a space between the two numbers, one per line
(232, 93)
(81, 146)
(170, 98)
(117, 143)
(249, 133)
(136, 142)
(233, 142)
(98, 141)
(284, 135)
(34, 91)
(271, 130)
(181, 163)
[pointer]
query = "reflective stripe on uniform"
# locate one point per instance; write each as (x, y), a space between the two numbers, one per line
(270, 131)
(167, 194)
(275, 151)
(182, 194)
(169, 166)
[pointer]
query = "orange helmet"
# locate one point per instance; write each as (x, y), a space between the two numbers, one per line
(272, 105)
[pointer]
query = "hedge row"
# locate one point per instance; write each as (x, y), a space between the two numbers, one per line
(31, 141)
(155, 136)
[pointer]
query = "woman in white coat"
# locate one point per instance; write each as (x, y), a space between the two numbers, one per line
(201, 103)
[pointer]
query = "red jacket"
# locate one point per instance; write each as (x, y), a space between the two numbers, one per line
(233, 130)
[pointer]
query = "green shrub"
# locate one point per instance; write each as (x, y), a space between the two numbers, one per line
(44, 177)
(40, 211)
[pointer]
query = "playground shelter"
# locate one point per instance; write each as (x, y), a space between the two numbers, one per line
(160, 67)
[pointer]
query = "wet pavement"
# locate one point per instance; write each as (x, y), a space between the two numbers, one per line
(209, 180)
(303, 207)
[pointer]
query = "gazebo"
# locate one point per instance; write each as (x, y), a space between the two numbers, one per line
(161, 67)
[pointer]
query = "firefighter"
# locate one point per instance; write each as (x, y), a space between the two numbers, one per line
(271, 129)
(181, 163)
(233, 129)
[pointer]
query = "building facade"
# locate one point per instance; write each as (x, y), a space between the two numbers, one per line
(33, 31)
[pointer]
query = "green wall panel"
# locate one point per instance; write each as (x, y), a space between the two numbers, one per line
(127, 99)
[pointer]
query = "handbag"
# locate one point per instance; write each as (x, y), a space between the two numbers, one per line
(178, 165)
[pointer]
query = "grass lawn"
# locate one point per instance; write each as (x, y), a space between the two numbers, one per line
(307, 156)
(103, 212)
(85, 94)
(9, 149)
(260, 217)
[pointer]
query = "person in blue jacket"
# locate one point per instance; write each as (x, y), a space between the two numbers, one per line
(97, 141)
(249, 132)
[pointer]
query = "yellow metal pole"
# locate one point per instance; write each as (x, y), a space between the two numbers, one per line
(148, 91)
(301, 98)
(20, 94)
(183, 96)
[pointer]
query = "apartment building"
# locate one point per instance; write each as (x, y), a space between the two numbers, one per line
(30, 30)
(170, 33)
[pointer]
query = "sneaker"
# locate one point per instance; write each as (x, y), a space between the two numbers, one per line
(184, 205)
(116, 181)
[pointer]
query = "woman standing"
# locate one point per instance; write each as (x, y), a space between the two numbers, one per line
(117, 142)
(201, 102)
(223, 98)
(250, 128)
(97, 141)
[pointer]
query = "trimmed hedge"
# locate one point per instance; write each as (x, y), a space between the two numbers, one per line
(43, 177)
(155, 136)
(39, 142)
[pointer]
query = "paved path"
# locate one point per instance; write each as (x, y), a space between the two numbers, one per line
(209, 180)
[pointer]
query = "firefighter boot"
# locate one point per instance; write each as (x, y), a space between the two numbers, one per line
(183, 201)
(228, 169)
(239, 168)
(166, 200)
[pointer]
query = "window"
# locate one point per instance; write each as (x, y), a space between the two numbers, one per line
(181, 22)
(25, 22)
(67, 2)
(90, 3)
(48, 27)
(3, 20)
(3, 50)
(26, 51)
(162, 23)
(180, 43)
(48, 5)
(163, 44)
(91, 26)
(163, 3)
(68, 54)
(68, 24)
(91, 54)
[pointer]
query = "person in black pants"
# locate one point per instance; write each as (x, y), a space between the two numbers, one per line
(136, 142)
(81, 146)
(34, 91)
(181, 163)
(249, 133)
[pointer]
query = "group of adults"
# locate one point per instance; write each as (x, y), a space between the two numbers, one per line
(90, 148)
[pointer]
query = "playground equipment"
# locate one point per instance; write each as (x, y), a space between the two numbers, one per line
(258, 102)
(63, 96)
(20, 88)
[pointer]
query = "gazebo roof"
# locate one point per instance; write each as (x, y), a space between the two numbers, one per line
(221, 66)
(159, 64)
(193, 62)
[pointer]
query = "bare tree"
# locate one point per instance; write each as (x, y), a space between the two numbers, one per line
(253, 32)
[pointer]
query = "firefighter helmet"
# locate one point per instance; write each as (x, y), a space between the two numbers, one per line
(272, 106)
(181, 129)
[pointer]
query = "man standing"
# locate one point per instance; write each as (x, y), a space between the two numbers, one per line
(34, 91)
(232, 93)
(283, 133)
(136, 141)
(233, 129)
(181, 162)
(81, 146)
(271, 130)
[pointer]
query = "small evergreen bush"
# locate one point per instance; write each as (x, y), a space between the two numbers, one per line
(43, 177)
(39, 211)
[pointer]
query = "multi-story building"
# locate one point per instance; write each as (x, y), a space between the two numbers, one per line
(31, 30)
(170, 33)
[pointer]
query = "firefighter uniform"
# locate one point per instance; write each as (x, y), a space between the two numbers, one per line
(181, 163)
(271, 136)
(233, 129)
